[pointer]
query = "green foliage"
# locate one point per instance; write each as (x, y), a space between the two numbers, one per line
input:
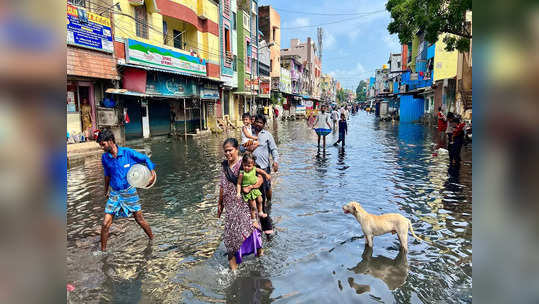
(341, 96)
(361, 91)
(434, 17)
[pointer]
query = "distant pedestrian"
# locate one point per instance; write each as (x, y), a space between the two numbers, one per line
(343, 130)
(123, 200)
(266, 146)
(442, 126)
(335, 118)
(449, 128)
(457, 141)
(322, 125)
(240, 235)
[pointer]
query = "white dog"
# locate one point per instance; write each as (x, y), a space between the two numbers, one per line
(373, 225)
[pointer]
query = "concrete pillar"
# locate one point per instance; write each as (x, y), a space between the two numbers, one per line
(145, 119)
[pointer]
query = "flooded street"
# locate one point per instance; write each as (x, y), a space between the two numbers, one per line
(317, 254)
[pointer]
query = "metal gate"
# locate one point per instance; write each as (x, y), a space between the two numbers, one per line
(159, 117)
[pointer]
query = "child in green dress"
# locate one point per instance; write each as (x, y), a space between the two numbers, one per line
(247, 179)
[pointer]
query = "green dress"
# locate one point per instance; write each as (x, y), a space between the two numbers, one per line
(249, 178)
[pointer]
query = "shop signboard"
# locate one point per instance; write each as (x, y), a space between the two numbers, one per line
(265, 87)
(285, 83)
(146, 54)
(88, 30)
(169, 85)
(300, 110)
(209, 91)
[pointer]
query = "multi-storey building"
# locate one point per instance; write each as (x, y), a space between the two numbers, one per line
(307, 53)
(247, 27)
(91, 69)
(229, 53)
(270, 26)
(168, 54)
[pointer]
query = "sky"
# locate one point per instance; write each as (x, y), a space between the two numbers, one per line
(356, 40)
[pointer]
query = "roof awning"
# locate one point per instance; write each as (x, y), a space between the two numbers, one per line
(125, 92)
(245, 93)
(148, 68)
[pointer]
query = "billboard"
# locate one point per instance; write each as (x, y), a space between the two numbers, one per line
(146, 54)
(88, 30)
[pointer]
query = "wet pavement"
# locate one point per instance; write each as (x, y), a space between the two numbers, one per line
(317, 254)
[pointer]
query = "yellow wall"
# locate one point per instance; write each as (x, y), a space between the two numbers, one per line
(445, 63)
(205, 44)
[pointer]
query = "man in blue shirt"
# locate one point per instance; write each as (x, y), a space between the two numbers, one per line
(266, 146)
(123, 200)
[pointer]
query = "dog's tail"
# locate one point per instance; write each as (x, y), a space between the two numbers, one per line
(413, 234)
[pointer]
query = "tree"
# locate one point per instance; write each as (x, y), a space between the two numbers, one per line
(341, 96)
(361, 91)
(434, 17)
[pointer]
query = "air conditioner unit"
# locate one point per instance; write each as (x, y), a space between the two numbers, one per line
(107, 117)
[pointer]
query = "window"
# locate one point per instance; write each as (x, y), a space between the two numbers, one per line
(246, 22)
(227, 41)
(165, 32)
(274, 32)
(248, 57)
(235, 64)
(233, 21)
(81, 3)
(178, 39)
(141, 19)
(271, 64)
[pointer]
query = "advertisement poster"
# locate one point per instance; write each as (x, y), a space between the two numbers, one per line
(146, 54)
(88, 30)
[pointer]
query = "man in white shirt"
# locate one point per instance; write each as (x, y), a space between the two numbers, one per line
(334, 118)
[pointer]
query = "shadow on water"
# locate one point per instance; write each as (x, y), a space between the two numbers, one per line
(317, 254)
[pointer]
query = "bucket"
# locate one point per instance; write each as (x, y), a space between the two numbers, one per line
(139, 176)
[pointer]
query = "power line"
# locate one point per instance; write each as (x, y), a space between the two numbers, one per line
(328, 14)
(317, 25)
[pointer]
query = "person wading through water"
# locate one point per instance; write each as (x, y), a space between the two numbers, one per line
(266, 146)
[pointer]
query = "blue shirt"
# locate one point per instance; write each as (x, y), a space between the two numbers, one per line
(117, 168)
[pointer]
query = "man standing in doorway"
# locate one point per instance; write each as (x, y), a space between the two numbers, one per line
(266, 146)
(123, 200)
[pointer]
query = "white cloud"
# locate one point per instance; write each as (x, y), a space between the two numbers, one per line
(328, 41)
(301, 21)
(350, 78)
(353, 34)
(392, 42)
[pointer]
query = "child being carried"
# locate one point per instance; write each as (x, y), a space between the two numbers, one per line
(247, 180)
(249, 142)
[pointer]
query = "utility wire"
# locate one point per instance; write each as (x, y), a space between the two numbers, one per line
(328, 14)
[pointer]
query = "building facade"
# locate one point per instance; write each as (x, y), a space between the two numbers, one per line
(168, 55)
(91, 70)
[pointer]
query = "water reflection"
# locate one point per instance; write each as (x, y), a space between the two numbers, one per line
(392, 271)
(251, 288)
(314, 255)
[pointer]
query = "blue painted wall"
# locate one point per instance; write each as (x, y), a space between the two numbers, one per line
(430, 51)
(411, 109)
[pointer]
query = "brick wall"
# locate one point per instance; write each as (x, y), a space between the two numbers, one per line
(89, 63)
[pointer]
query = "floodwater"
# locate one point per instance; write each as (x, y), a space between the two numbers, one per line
(317, 254)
